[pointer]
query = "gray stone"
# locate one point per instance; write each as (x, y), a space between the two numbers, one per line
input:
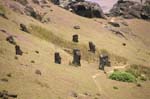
(76, 57)
(92, 47)
(57, 58)
(18, 50)
(75, 38)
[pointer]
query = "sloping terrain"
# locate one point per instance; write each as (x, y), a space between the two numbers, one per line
(65, 81)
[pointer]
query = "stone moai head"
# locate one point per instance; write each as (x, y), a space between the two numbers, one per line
(23, 28)
(57, 58)
(76, 57)
(18, 50)
(11, 40)
(92, 47)
(103, 61)
(75, 38)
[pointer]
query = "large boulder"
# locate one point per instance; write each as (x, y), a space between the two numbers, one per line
(131, 9)
(87, 9)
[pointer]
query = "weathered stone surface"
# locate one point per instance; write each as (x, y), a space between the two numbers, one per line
(87, 9)
(104, 60)
(11, 40)
(30, 11)
(23, 28)
(131, 9)
(92, 47)
(18, 50)
(75, 38)
(76, 57)
(57, 58)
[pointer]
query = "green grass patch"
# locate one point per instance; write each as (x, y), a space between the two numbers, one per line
(122, 76)
(58, 41)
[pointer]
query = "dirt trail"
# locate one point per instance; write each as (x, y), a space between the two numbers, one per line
(104, 77)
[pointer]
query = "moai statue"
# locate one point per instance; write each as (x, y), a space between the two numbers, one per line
(57, 58)
(104, 60)
(75, 38)
(76, 57)
(18, 50)
(11, 40)
(24, 28)
(92, 47)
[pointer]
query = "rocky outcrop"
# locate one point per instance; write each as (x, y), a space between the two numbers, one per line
(87, 9)
(81, 7)
(131, 9)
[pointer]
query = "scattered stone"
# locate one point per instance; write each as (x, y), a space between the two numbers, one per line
(124, 44)
(75, 38)
(37, 52)
(92, 47)
(74, 94)
(23, 28)
(57, 58)
(3, 15)
(76, 27)
(5, 95)
(30, 11)
(16, 57)
(4, 79)
(76, 57)
(98, 94)
(138, 85)
(32, 61)
(115, 24)
(9, 75)
(57, 2)
(104, 60)
(23, 2)
(11, 40)
(18, 50)
(38, 72)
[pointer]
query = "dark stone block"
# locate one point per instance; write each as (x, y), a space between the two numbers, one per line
(76, 57)
(11, 40)
(57, 58)
(104, 60)
(23, 28)
(92, 47)
(75, 38)
(18, 50)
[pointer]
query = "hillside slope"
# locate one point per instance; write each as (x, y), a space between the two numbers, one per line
(65, 81)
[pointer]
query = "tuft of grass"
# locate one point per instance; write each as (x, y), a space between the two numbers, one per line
(114, 87)
(139, 71)
(2, 9)
(58, 41)
(122, 76)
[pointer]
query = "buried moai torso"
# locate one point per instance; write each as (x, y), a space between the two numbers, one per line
(92, 47)
(18, 50)
(75, 38)
(57, 58)
(104, 60)
(76, 57)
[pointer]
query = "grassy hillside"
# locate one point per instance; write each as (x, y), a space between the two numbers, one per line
(65, 81)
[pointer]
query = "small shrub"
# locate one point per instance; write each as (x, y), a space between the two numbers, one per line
(122, 76)
(114, 87)
(2, 9)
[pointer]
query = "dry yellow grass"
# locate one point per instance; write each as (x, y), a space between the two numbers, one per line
(59, 81)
